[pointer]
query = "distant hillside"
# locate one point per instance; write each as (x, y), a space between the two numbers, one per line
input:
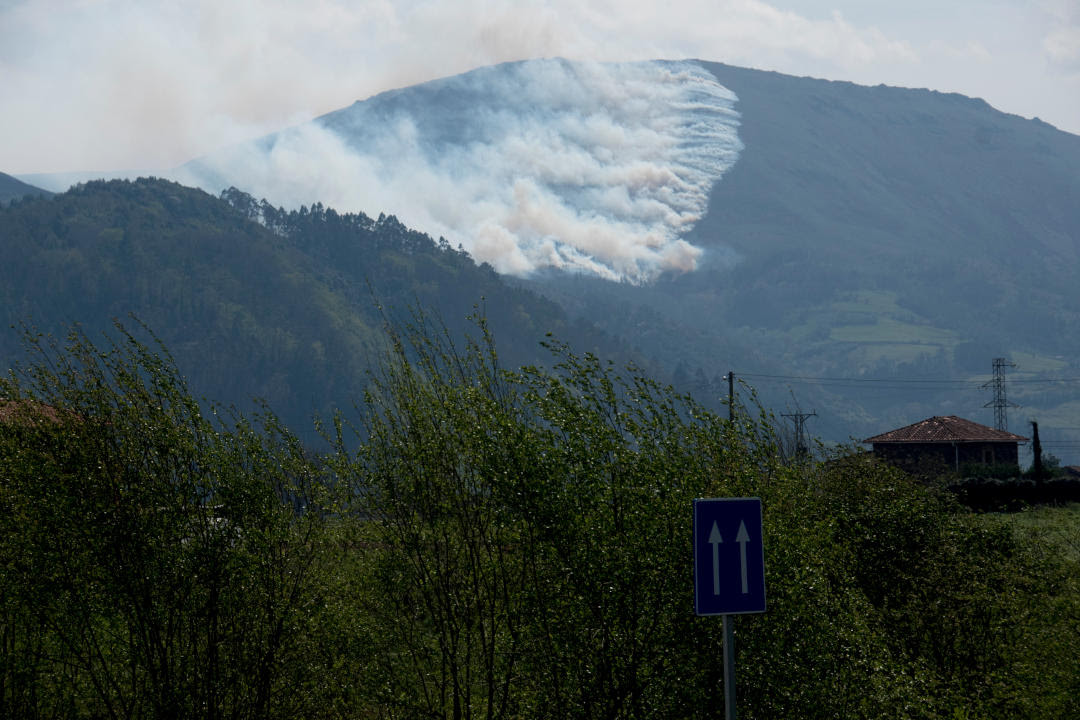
(284, 309)
(969, 216)
(844, 231)
(873, 232)
(827, 241)
(12, 188)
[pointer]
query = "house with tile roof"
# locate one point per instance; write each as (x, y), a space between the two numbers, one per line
(947, 443)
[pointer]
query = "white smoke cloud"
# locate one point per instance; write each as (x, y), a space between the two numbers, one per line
(114, 84)
(596, 168)
(125, 84)
(1062, 41)
(128, 84)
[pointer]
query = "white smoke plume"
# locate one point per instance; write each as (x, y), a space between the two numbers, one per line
(136, 86)
(588, 167)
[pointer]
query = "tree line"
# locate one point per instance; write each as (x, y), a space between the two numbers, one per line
(254, 301)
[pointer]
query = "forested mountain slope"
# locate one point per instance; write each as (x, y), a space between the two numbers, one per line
(874, 232)
(286, 309)
(843, 231)
(13, 188)
(757, 222)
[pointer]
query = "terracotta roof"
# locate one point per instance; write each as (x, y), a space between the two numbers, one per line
(947, 429)
(23, 410)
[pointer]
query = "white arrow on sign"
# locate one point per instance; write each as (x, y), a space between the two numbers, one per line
(715, 540)
(742, 538)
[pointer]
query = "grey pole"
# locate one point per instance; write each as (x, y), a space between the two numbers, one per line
(729, 622)
(730, 396)
(729, 668)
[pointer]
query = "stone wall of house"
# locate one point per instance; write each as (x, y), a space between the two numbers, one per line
(947, 456)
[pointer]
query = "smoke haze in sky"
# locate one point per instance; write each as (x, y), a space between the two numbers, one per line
(141, 87)
(588, 167)
(128, 84)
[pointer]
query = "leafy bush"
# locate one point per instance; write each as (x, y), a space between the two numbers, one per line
(154, 561)
(1000, 471)
(530, 555)
(492, 542)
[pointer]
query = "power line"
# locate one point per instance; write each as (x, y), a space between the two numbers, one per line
(936, 384)
(812, 378)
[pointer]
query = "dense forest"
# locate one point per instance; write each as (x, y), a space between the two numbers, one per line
(483, 542)
(254, 301)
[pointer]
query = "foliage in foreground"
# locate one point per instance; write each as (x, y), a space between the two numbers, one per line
(511, 544)
(154, 562)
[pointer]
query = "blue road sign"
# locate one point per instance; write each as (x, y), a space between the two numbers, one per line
(729, 556)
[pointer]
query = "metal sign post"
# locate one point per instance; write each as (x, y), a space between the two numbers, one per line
(729, 570)
(729, 668)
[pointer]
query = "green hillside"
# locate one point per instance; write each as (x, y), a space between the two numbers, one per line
(873, 232)
(289, 309)
(966, 215)
(13, 188)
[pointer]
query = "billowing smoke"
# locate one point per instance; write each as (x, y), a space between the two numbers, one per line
(588, 167)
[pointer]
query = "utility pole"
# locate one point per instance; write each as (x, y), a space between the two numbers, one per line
(731, 396)
(799, 419)
(1036, 451)
(999, 403)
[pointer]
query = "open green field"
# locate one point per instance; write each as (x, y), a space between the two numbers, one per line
(871, 302)
(891, 330)
(1059, 527)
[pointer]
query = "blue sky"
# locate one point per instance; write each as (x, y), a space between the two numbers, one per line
(123, 84)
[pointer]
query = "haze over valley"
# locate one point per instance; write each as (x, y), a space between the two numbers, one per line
(851, 240)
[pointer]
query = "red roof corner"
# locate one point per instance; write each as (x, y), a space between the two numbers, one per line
(29, 411)
(945, 429)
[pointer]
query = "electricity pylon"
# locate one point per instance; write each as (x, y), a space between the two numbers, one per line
(799, 419)
(999, 403)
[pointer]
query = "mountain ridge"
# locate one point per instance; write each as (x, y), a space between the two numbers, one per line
(861, 232)
(11, 188)
(291, 311)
